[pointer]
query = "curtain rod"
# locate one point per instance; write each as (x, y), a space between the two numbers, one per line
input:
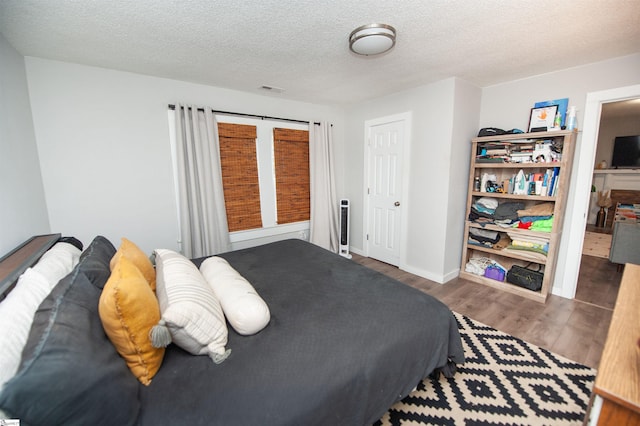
(242, 114)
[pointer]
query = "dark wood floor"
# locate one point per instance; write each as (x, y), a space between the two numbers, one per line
(598, 282)
(575, 329)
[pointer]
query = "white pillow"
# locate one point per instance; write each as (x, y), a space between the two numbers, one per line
(58, 261)
(189, 308)
(245, 310)
(16, 315)
(18, 309)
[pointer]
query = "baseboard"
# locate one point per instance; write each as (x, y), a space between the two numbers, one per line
(439, 278)
(357, 251)
(451, 275)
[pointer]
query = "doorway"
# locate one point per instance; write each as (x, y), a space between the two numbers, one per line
(581, 188)
(385, 171)
(599, 279)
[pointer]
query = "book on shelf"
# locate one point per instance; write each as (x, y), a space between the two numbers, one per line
(496, 152)
(535, 183)
(490, 160)
(553, 182)
(627, 213)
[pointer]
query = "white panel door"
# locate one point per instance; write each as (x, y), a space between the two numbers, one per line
(385, 190)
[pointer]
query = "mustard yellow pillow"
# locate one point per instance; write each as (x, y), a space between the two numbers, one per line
(133, 253)
(129, 309)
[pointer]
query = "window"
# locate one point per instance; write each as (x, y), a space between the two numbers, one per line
(265, 172)
(239, 165)
(291, 162)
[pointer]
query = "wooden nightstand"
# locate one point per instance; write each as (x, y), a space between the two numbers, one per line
(618, 381)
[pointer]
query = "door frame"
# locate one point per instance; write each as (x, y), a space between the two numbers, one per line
(406, 119)
(581, 186)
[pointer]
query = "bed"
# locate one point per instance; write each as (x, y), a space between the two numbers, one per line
(342, 345)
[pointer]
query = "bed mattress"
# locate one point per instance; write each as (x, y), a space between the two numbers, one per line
(343, 344)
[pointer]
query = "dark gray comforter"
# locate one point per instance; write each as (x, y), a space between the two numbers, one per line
(344, 343)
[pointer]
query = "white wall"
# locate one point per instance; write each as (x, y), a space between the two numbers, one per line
(105, 160)
(508, 105)
(465, 125)
(104, 146)
(446, 115)
(23, 211)
(609, 130)
(438, 137)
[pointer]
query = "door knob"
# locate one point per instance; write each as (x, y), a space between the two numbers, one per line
(397, 203)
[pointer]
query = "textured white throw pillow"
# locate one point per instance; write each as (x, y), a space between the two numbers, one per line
(245, 310)
(190, 310)
(58, 261)
(18, 309)
(16, 315)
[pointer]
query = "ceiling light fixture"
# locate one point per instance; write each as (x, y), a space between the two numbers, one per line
(372, 39)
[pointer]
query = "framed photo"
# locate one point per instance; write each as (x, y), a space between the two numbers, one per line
(563, 104)
(541, 119)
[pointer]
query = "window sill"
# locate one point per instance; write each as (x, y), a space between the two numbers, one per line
(253, 234)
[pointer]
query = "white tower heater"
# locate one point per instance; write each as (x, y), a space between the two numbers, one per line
(344, 228)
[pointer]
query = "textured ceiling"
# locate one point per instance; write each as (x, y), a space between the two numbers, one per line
(301, 45)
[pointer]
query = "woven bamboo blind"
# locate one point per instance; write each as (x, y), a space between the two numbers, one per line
(239, 165)
(291, 157)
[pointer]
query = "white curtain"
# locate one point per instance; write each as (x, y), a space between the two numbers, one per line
(202, 215)
(324, 205)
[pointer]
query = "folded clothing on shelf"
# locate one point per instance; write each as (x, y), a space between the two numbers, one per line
(484, 235)
(542, 209)
(484, 266)
(508, 210)
(542, 225)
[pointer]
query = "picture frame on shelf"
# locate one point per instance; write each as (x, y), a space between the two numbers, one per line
(541, 118)
(563, 105)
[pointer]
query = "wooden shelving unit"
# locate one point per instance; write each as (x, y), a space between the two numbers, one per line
(505, 171)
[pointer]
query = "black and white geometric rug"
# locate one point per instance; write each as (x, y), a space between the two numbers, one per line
(504, 381)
